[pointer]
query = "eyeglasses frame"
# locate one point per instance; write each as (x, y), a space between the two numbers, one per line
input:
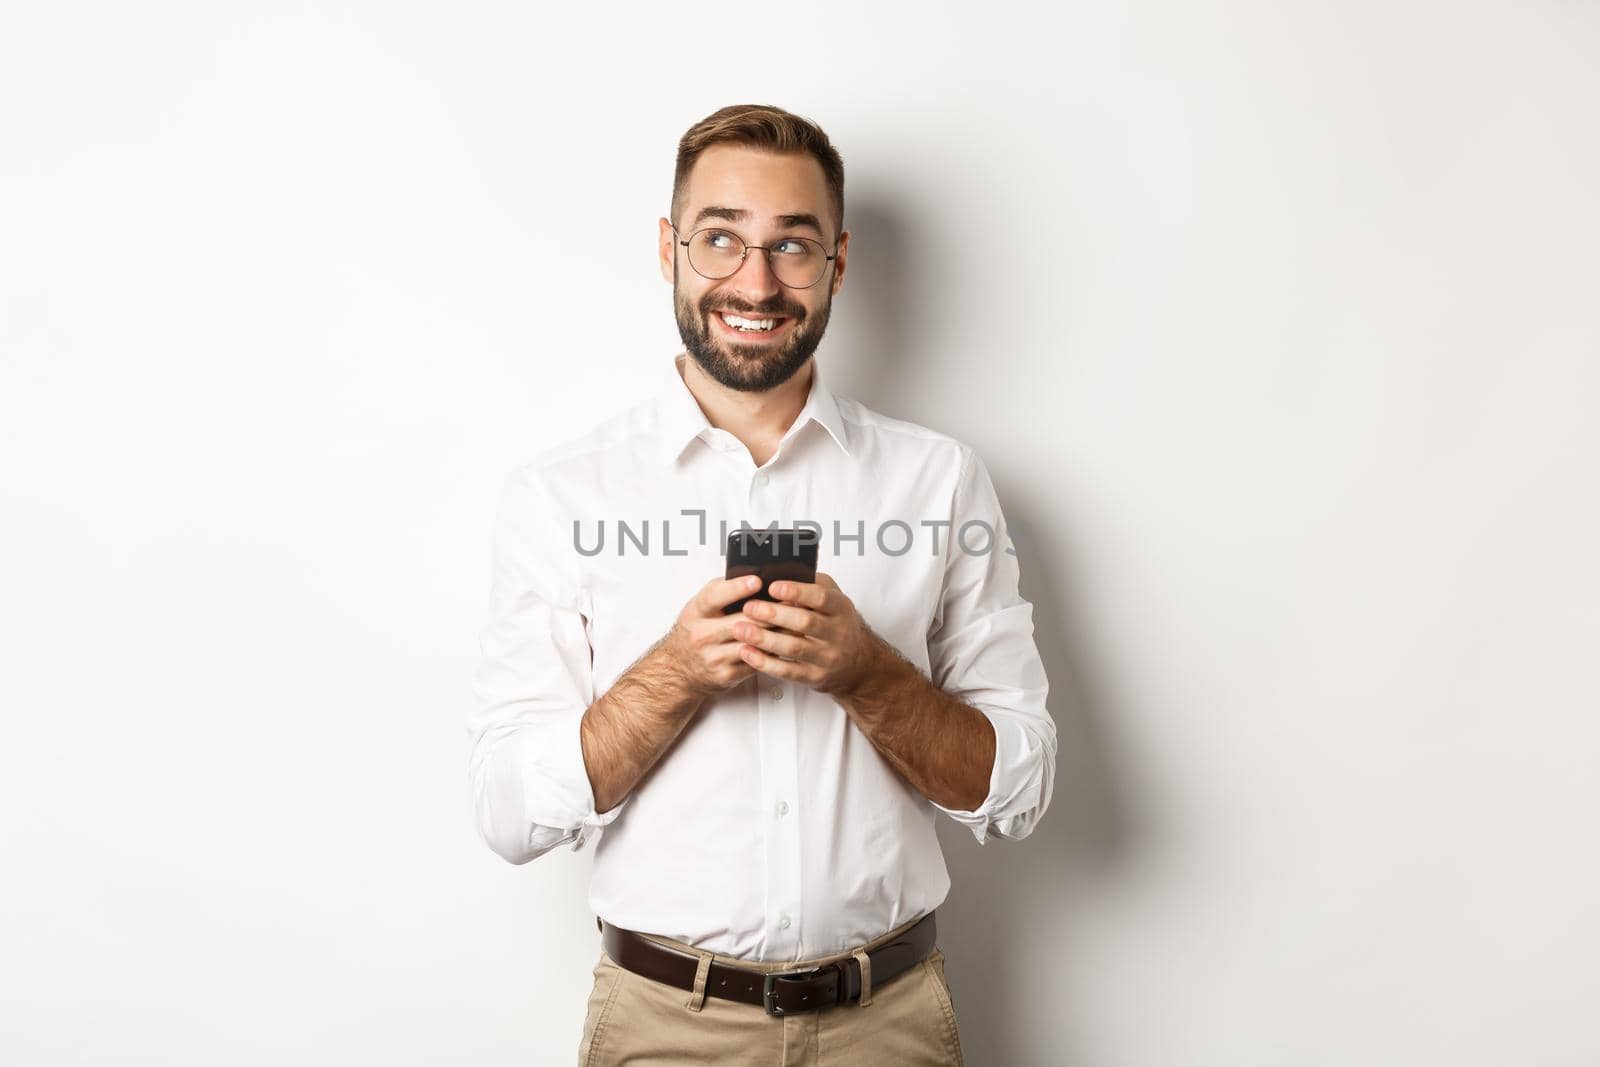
(747, 247)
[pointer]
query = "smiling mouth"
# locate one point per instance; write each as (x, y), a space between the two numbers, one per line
(776, 324)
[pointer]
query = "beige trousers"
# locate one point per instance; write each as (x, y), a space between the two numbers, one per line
(908, 1021)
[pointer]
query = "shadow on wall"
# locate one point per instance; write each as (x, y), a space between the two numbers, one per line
(1010, 911)
(1010, 914)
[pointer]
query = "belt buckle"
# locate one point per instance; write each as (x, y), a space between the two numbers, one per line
(769, 982)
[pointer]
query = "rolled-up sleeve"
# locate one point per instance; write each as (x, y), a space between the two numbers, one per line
(981, 650)
(530, 789)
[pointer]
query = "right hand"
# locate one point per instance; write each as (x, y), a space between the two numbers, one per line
(701, 644)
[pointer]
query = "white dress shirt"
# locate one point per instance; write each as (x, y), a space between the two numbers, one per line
(771, 829)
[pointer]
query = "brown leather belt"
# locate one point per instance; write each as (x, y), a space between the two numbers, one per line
(779, 992)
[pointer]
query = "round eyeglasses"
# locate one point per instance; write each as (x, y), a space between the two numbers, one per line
(716, 253)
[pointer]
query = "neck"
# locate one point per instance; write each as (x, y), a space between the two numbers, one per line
(759, 420)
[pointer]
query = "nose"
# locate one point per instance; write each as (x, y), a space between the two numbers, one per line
(754, 279)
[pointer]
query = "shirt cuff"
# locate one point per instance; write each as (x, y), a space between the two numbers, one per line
(1015, 782)
(979, 818)
(555, 782)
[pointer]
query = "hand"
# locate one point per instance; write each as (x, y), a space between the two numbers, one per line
(814, 636)
(702, 645)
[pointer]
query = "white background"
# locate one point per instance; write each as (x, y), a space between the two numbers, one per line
(1275, 322)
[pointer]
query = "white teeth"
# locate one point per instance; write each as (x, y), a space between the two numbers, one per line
(748, 324)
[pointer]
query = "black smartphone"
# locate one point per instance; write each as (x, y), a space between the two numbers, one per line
(773, 554)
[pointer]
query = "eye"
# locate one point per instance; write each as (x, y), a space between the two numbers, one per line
(792, 246)
(713, 237)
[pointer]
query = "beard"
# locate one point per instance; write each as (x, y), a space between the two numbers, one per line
(755, 366)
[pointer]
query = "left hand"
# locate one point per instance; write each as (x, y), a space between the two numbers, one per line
(822, 640)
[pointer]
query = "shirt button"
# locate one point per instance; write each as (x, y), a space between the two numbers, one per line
(783, 807)
(783, 922)
(760, 480)
(777, 692)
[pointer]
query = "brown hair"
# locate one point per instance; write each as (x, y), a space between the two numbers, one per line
(761, 126)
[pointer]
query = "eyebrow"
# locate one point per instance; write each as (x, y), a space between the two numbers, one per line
(739, 214)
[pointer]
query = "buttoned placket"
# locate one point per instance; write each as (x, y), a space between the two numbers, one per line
(779, 729)
(778, 725)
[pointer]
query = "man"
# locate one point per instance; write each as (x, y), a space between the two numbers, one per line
(762, 785)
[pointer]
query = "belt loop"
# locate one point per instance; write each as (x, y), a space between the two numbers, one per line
(862, 958)
(698, 997)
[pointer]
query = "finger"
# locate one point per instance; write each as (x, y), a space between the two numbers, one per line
(778, 644)
(731, 652)
(805, 594)
(720, 592)
(792, 670)
(716, 631)
(799, 620)
(728, 627)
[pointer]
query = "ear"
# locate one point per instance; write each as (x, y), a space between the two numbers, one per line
(839, 261)
(666, 246)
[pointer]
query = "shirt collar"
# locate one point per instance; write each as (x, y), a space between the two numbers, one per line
(679, 419)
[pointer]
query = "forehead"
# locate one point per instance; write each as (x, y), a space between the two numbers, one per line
(764, 183)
